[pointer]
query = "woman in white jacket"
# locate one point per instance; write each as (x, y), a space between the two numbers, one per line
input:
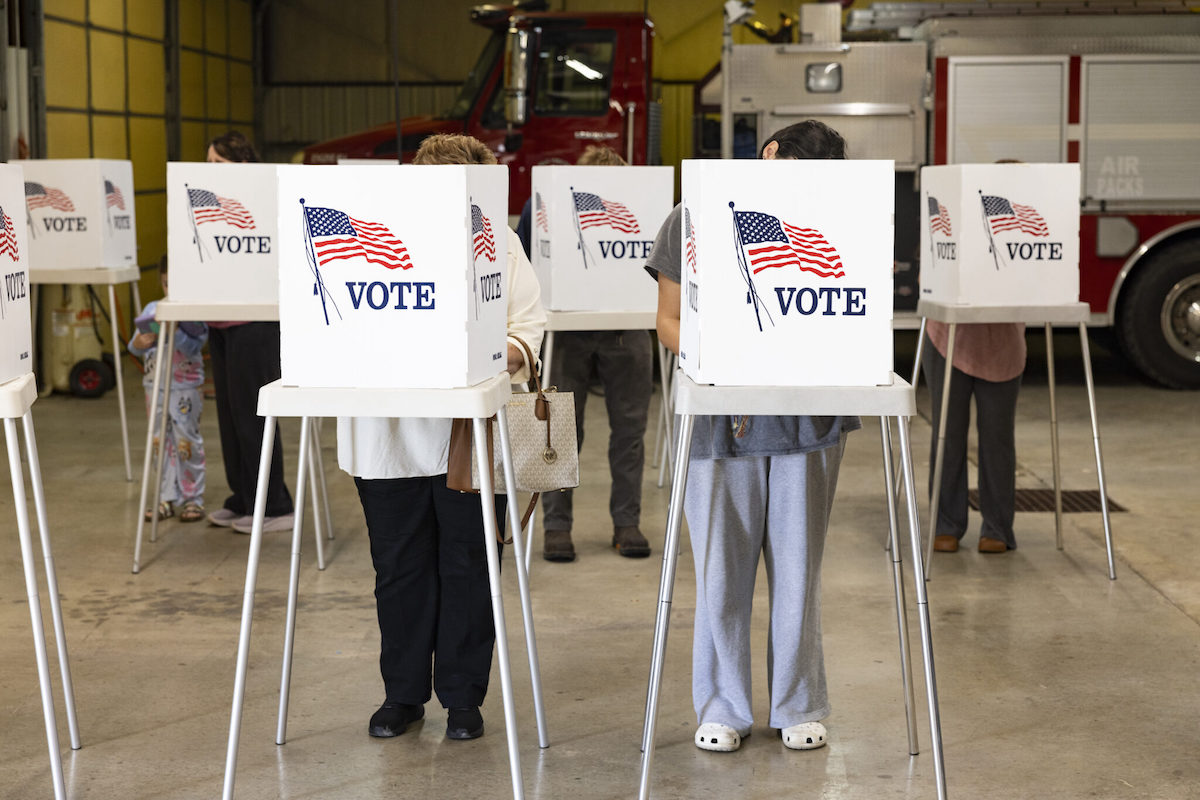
(427, 541)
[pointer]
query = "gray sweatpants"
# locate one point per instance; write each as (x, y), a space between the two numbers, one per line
(735, 509)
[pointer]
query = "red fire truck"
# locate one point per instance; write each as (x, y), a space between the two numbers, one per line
(1089, 83)
(546, 85)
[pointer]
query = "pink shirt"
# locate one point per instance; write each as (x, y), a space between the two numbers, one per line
(991, 351)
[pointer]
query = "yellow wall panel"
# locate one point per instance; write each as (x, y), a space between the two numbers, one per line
(107, 71)
(147, 77)
(194, 139)
(66, 65)
(217, 105)
(145, 17)
(67, 135)
(241, 92)
(241, 30)
(151, 238)
(68, 9)
(216, 26)
(191, 84)
(148, 151)
(108, 138)
(107, 13)
(191, 23)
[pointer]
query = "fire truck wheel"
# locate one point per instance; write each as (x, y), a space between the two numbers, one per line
(90, 378)
(1160, 319)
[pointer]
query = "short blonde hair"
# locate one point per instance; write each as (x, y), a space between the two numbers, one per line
(453, 148)
(601, 155)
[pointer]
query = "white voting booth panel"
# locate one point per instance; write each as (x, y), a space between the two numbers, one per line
(392, 276)
(80, 213)
(16, 331)
(222, 229)
(592, 230)
(787, 272)
(1000, 234)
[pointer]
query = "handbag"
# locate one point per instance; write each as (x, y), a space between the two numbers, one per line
(545, 452)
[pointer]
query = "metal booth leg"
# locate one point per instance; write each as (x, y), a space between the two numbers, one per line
(667, 368)
(167, 345)
(914, 530)
(112, 307)
(514, 524)
(252, 558)
(486, 500)
(319, 476)
(60, 638)
(35, 607)
(898, 585)
(1058, 533)
(308, 452)
(936, 488)
(1091, 387)
(289, 633)
(666, 589)
(155, 393)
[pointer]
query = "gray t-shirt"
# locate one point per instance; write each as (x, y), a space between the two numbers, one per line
(733, 436)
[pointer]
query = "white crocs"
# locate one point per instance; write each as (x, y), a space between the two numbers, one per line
(717, 737)
(805, 736)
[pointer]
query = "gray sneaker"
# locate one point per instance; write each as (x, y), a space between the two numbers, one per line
(270, 524)
(223, 517)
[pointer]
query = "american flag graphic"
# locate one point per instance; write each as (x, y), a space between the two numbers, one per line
(689, 235)
(337, 235)
(594, 211)
(208, 207)
(1005, 216)
(8, 237)
(543, 221)
(481, 234)
(770, 242)
(113, 196)
(38, 195)
(939, 217)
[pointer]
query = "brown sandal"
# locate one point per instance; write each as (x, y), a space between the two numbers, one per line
(192, 512)
(165, 510)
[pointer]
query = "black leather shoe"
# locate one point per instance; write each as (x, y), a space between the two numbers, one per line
(464, 723)
(392, 719)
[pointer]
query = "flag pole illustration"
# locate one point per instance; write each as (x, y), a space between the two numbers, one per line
(474, 272)
(929, 203)
(29, 221)
(318, 287)
(988, 227)
(195, 230)
(751, 293)
(579, 229)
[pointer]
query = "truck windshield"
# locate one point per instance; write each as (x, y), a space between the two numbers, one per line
(477, 77)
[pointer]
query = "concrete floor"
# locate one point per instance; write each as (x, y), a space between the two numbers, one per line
(1053, 680)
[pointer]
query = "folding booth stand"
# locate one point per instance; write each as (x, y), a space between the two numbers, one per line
(16, 397)
(895, 401)
(171, 313)
(476, 402)
(591, 321)
(110, 277)
(1048, 316)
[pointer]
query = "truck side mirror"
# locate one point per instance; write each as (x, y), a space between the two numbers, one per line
(516, 76)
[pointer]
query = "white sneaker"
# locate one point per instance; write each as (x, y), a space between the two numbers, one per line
(717, 737)
(270, 524)
(223, 517)
(805, 736)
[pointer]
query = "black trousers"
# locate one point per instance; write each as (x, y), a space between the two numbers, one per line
(431, 589)
(244, 359)
(995, 421)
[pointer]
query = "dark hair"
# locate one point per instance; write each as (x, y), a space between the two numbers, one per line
(807, 139)
(162, 265)
(234, 147)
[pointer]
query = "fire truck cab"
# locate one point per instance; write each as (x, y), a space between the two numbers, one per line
(546, 85)
(929, 83)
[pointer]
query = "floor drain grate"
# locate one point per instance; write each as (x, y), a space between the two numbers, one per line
(1073, 502)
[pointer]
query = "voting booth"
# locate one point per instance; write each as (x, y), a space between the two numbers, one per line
(1000, 234)
(16, 330)
(80, 213)
(787, 272)
(592, 229)
(393, 276)
(222, 230)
